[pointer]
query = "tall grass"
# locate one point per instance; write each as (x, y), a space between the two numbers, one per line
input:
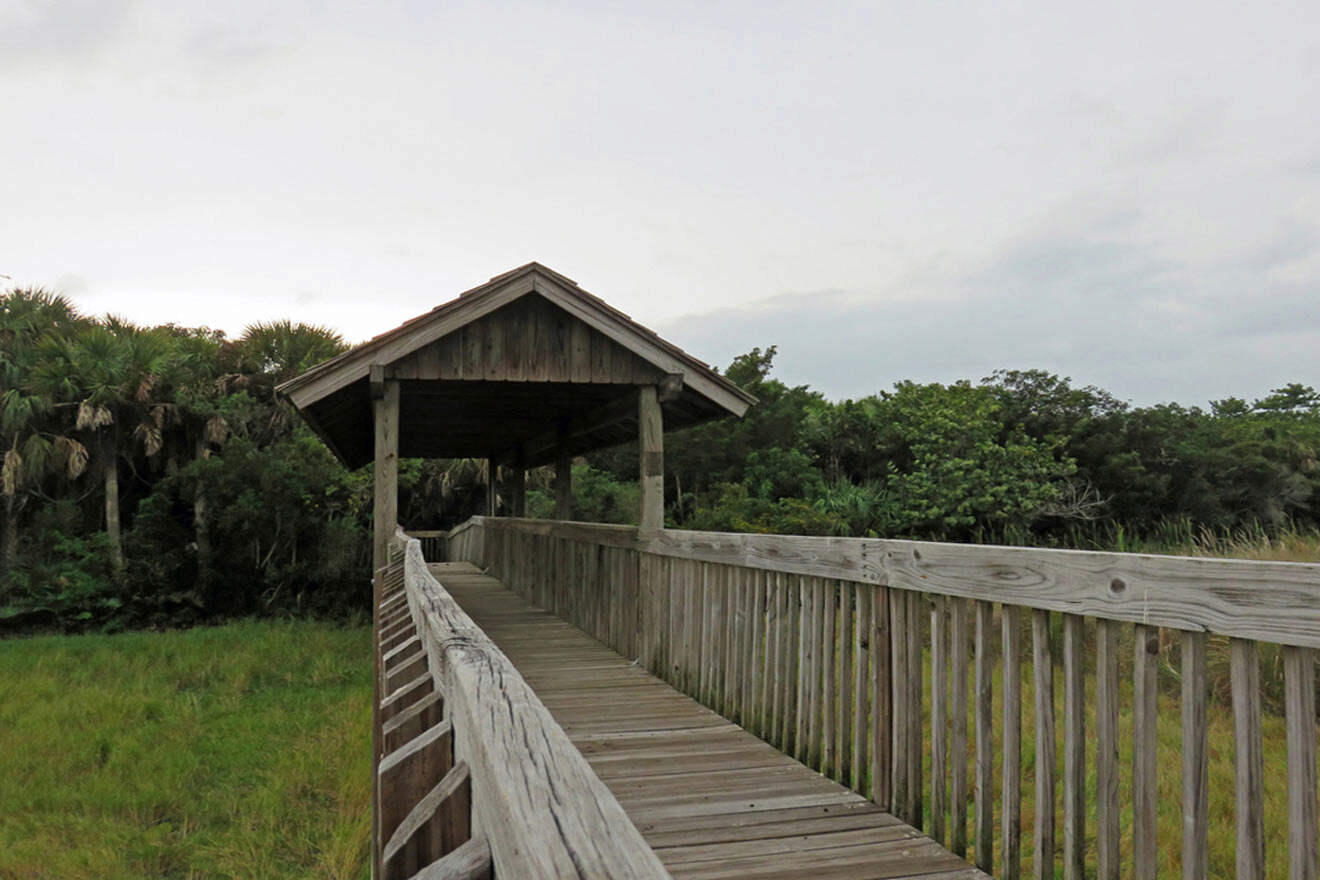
(233, 751)
(1287, 541)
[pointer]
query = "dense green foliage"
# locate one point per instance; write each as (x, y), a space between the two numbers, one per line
(233, 751)
(1020, 457)
(152, 477)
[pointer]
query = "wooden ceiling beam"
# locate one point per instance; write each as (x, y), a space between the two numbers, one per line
(543, 447)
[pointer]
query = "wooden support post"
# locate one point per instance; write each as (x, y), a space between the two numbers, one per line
(563, 477)
(518, 489)
(651, 446)
(385, 411)
(385, 514)
(492, 473)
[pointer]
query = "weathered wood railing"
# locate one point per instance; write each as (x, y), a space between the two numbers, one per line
(475, 778)
(432, 541)
(825, 648)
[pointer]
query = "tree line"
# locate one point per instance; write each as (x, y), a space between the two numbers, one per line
(151, 476)
(1020, 457)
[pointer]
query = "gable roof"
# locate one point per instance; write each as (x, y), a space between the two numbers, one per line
(355, 364)
(527, 365)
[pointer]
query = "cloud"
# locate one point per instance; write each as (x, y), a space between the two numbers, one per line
(72, 30)
(72, 285)
(1112, 312)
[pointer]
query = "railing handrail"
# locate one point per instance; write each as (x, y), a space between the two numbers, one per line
(535, 798)
(1266, 601)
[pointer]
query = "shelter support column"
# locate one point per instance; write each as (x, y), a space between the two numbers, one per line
(651, 448)
(518, 491)
(563, 477)
(492, 471)
(385, 515)
(385, 511)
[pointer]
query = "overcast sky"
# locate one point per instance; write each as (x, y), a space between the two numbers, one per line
(1125, 193)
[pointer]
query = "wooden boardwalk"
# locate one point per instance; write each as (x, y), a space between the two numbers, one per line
(713, 800)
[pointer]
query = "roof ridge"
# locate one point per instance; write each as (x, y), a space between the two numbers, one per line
(466, 300)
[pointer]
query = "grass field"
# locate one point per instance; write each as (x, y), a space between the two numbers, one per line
(232, 751)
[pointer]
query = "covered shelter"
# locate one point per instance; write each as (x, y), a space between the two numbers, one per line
(525, 370)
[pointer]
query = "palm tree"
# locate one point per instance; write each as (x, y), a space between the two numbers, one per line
(111, 371)
(198, 379)
(281, 350)
(31, 451)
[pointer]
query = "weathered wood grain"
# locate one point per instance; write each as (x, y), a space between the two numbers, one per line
(1248, 761)
(759, 680)
(861, 690)
(939, 720)
(1074, 750)
(536, 799)
(958, 642)
(985, 746)
(471, 861)
(881, 700)
(406, 696)
(843, 707)
(650, 437)
(1195, 759)
(916, 615)
(409, 772)
(1299, 702)
(439, 824)
(1145, 761)
(1011, 786)
(900, 707)
(411, 722)
(829, 684)
(793, 662)
(747, 678)
(1270, 601)
(786, 659)
(711, 799)
(803, 651)
(827, 642)
(1042, 663)
(816, 674)
(1106, 749)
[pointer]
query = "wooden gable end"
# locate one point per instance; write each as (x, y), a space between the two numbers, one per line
(528, 340)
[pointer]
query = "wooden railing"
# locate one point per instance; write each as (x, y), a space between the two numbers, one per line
(432, 541)
(855, 656)
(475, 778)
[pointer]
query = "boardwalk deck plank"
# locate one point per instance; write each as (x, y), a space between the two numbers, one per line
(711, 799)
